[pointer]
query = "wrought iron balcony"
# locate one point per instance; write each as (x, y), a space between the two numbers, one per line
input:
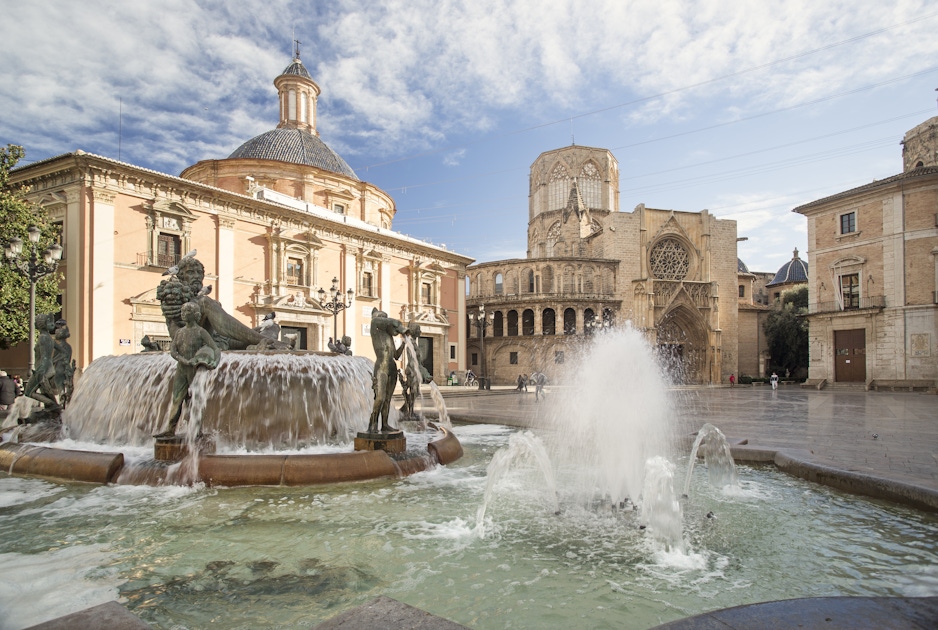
(850, 304)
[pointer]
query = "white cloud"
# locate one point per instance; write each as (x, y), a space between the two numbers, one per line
(400, 76)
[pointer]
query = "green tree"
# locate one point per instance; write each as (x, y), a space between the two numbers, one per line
(786, 333)
(16, 215)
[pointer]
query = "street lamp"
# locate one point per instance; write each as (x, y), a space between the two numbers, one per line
(482, 322)
(336, 303)
(33, 269)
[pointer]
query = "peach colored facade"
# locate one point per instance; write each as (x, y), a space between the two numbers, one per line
(270, 233)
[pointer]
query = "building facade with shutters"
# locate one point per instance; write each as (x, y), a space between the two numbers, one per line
(874, 275)
(273, 223)
(589, 266)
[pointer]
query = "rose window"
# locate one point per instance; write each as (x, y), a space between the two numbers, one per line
(669, 260)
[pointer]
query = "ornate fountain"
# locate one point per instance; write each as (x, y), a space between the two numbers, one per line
(228, 405)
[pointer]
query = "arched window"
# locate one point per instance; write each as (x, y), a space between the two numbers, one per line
(291, 105)
(589, 321)
(569, 322)
(588, 280)
(499, 284)
(568, 280)
(548, 322)
(590, 183)
(303, 107)
(558, 188)
(468, 286)
(547, 279)
(527, 322)
(608, 317)
(498, 325)
(529, 280)
(553, 235)
(512, 323)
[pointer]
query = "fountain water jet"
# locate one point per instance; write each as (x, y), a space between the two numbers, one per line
(721, 469)
(612, 415)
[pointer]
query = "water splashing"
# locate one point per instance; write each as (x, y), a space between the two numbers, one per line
(613, 415)
(522, 447)
(253, 400)
(721, 468)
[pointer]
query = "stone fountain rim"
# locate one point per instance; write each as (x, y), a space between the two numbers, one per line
(35, 460)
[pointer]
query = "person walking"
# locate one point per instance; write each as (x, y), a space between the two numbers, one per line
(7, 391)
(774, 380)
(732, 380)
(539, 386)
(520, 381)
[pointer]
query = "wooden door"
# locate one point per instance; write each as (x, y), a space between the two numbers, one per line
(850, 356)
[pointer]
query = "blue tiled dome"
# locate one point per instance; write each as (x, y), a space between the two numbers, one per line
(794, 271)
(294, 145)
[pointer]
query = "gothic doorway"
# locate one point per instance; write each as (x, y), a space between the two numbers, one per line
(682, 345)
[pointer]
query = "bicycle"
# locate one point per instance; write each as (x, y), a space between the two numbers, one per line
(471, 381)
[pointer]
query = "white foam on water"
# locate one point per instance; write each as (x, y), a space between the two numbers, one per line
(19, 491)
(55, 583)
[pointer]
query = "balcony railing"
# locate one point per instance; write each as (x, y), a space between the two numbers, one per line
(542, 295)
(157, 260)
(854, 304)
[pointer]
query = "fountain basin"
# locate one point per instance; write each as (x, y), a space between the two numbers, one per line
(229, 470)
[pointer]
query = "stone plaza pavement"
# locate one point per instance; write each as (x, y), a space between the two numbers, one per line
(873, 438)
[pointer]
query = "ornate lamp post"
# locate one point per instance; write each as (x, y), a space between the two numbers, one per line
(337, 302)
(482, 322)
(28, 264)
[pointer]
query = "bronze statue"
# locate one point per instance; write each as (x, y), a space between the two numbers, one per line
(149, 345)
(192, 347)
(185, 286)
(63, 365)
(41, 384)
(413, 374)
(383, 331)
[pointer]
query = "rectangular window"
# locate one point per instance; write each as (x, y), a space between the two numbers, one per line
(339, 208)
(294, 271)
(513, 358)
(475, 358)
(425, 293)
(742, 290)
(452, 352)
(368, 289)
(850, 290)
(848, 223)
(169, 248)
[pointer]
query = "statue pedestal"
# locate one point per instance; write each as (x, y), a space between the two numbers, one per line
(387, 441)
(174, 448)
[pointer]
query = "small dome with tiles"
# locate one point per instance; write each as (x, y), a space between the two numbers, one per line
(294, 145)
(295, 139)
(795, 271)
(741, 266)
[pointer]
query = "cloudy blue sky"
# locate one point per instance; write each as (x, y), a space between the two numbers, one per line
(747, 108)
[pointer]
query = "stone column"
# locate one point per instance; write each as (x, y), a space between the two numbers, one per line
(102, 274)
